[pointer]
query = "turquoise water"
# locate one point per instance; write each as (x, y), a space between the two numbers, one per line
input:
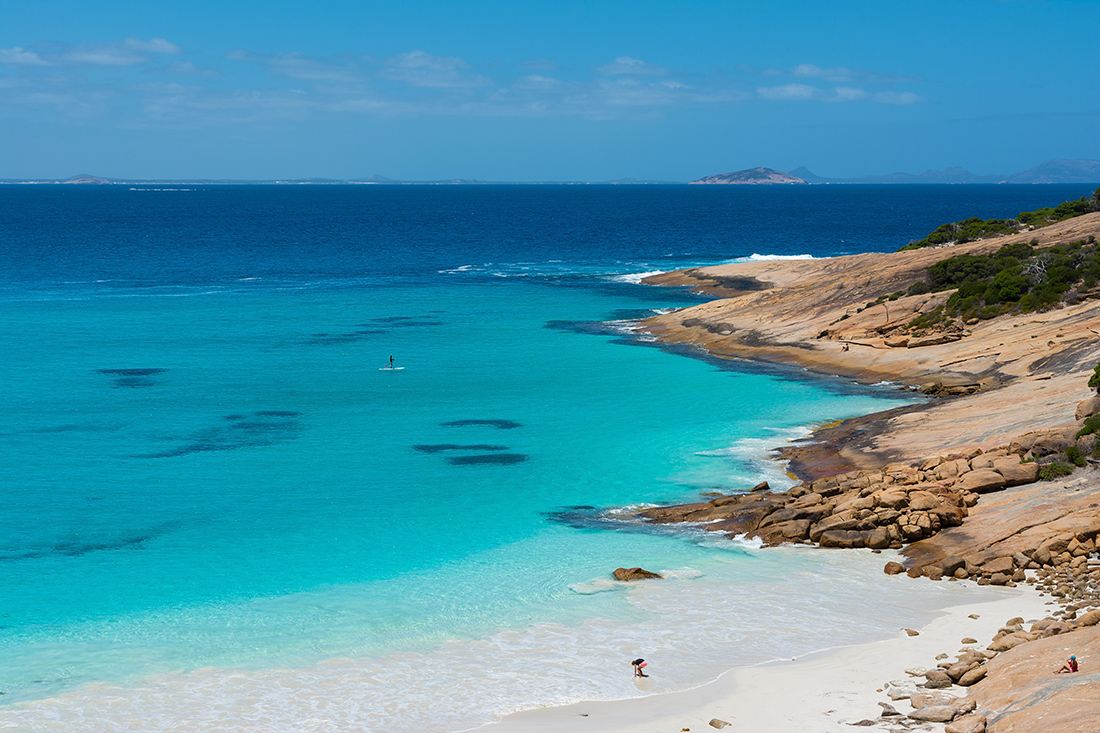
(267, 460)
(218, 509)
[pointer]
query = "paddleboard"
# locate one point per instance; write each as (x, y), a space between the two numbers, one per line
(390, 369)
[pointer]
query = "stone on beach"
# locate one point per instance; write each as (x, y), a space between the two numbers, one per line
(973, 723)
(934, 714)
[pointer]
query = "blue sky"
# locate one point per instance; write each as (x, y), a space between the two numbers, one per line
(543, 91)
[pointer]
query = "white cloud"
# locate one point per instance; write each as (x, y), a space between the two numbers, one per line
(537, 82)
(153, 45)
(788, 92)
(848, 94)
(898, 98)
(186, 68)
(102, 56)
(420, 69)
(842, 74)
(24, 58)
(634, 67)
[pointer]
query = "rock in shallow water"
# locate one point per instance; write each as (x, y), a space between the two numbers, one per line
(629, 574)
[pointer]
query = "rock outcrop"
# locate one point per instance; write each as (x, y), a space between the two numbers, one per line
(632, 574)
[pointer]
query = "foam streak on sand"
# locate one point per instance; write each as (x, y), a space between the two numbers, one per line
(826, 692)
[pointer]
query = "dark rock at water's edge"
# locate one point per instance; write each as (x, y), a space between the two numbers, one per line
(629, 574)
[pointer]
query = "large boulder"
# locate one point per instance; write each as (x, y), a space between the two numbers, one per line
(973, 723)
(922, 501)
(1091, 406)
(934, 714)
(936, 679)
(1016, 473)
(981, 481)
(1006, 642)
(1089, 619)
(629, 574)
(952, 563)
(970, 677)
(999, 565)
(843, 538)
(1044, 442)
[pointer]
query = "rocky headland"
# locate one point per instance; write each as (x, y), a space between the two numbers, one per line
(991, 478)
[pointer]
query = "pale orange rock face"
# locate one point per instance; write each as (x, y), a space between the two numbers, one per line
(1026, 370)
(1021, 693)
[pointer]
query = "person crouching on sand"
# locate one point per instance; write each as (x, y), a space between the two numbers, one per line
(639, 664)
(1069, 667)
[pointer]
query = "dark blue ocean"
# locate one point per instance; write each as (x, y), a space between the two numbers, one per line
(218, 511)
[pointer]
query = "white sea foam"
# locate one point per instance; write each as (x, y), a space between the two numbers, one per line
(691, 627)
(760, 258)
(755, 460)
(635, 277)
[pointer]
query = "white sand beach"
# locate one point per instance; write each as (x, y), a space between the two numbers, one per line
(824, 692)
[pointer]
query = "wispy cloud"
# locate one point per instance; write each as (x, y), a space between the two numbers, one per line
(17, 56)
(898, 98)
(294, 85)
(420, 69)
(625, 65)
(131, 52)
(842, 74)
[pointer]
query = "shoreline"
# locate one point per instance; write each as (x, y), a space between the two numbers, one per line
(825, 691)
(1003, 380)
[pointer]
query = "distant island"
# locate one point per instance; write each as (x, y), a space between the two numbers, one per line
(752, 177)
(1057, 170)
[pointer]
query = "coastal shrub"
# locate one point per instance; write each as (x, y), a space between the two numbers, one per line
(920, 287)
(1092, 426)
(1094, 381)
(1073, 455)
(1015, 278)
(1055, 470)
(974, 228)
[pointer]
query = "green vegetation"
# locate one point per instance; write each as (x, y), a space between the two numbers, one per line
(1055, 470)
(1094, 380)
(974, 228)
(1073, 455)
(1016, 278)
(1092, 426)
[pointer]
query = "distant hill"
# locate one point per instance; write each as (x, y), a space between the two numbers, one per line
(752, 177)
(84, 179)
(1059, 170)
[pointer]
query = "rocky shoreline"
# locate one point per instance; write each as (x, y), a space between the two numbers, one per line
(970, 485)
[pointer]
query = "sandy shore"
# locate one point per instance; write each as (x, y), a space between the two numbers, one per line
(824, 692)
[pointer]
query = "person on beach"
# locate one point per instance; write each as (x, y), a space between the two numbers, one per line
(1069, 667)
(639, 664)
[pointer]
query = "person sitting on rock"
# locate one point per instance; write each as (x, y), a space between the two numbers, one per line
(1069, 667)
